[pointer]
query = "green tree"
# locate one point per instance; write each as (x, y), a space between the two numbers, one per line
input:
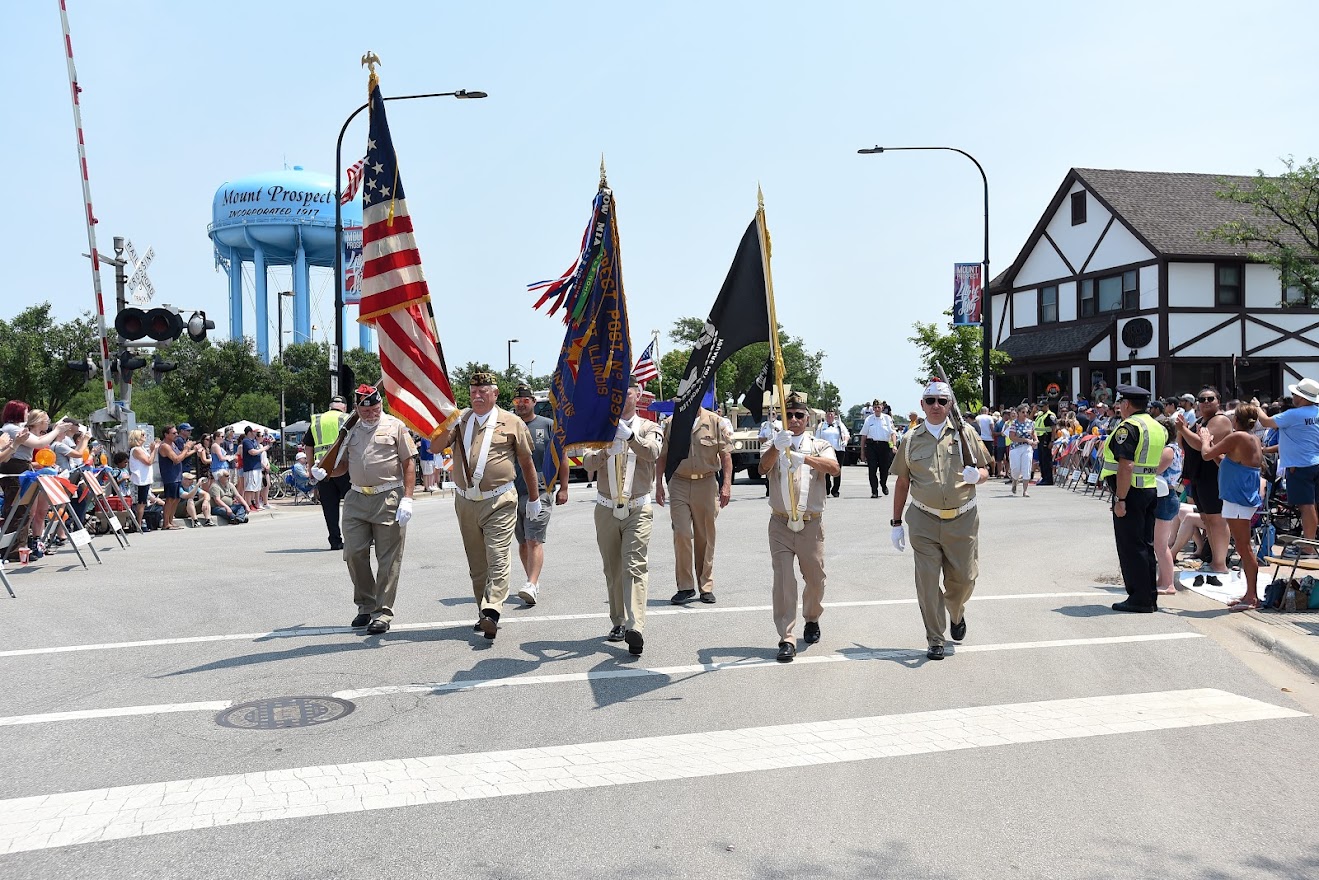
(304, 375)
(212, 378)
(34, 351)
(801, 366)
(829, 397)
(365, 366)
(460, 377)
(1283, 228)
(959, 351)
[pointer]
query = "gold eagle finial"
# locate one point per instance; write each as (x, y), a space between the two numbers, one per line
(370, 60)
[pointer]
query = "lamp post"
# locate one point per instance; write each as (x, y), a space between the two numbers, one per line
(461, 94)
(279, 329)
(986, 322)
(510, 357)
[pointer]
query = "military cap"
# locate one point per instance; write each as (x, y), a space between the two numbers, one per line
(482, 377)
(523, 390)
(795, 399)
(368, 395)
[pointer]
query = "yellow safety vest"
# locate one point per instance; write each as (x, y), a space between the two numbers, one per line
(324, 431)
(1042, 429)
(1148, 452)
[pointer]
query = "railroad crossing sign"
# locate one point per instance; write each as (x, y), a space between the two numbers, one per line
(139, 285)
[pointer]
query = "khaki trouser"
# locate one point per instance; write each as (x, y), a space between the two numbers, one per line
(807, 547)
(693, 506)
(487, 530)
(950, 546)
(367, 520)
(624, 544)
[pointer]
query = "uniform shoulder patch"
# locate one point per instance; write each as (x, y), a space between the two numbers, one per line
(1121, 434)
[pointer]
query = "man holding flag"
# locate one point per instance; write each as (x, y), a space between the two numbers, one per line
(698, 493)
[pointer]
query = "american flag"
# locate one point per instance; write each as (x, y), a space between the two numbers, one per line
(645, 370)
(394, 294)
(354, 182)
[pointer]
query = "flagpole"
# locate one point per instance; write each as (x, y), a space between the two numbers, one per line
(654, 340)
(763, 229)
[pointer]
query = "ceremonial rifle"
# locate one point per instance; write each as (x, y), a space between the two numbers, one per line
(334, 462)
(955, 415)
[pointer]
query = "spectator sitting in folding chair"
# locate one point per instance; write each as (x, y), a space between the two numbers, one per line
(195, 500)
(298, 479)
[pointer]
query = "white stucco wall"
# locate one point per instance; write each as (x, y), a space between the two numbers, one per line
(1263, 287)
(1043, 264)
(1149, 287)
(999, 301)
(1145, 351)
(1067, 301)
(1024, 312)
(1100, 352)
(1118, 248)
(1076, 242)
(1191, 284)
(1221, 343)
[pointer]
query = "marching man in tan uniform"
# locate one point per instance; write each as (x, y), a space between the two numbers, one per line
(625, 471)
(486, 442)
(795, 464)
(939, 467)
(697, 493)
(377, 508)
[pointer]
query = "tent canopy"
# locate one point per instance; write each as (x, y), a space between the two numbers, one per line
(241, 426)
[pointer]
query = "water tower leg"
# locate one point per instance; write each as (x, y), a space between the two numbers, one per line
(364, 336)
(301, 295)
(262, 307)
(235, 298)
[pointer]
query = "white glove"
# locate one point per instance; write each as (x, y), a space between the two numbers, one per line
(899, 538)
(796, 460)
(318, 474)
(782, 440)
(533, 508)
(617, 447)
(971, 475)
(623, 432)
(404, 511)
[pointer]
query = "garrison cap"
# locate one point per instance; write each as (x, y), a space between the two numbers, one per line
(795, 399)
(523, 390)
(482, 377)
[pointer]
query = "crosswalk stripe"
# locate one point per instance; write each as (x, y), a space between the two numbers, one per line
(303, 632)
(602, 674)
(53, 820)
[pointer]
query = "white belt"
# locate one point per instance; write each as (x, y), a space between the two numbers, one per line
(632, 505)
(475, 494)
(950, 513)
(376, 490)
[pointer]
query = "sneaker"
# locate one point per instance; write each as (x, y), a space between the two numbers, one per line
(528, 593)
(708, 598)
(682, 597)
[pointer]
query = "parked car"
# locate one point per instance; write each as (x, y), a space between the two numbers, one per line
(852, 454)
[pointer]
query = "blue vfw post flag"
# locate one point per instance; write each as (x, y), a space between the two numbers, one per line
(591, 379)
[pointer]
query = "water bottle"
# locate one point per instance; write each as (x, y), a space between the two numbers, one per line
(1289, 598)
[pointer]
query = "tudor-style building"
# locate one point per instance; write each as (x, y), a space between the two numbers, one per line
(1119, 281)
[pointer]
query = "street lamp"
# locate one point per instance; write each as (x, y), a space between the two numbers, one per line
(510, 357)
(461, 94)
(283, 447)
(986, 323)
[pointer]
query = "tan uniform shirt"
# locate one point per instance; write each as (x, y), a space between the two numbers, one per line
(710, 439)
(807, 445)
(511, 439)
(646, 441)
(377, 456)
(935, 465)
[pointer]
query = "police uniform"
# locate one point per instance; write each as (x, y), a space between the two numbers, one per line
(485, 454)
(379, 464)
(1044, 425)
(941, 521)
(693, 496)
(1139, 439)
(799, 538)
(331, 490)
(625, 474)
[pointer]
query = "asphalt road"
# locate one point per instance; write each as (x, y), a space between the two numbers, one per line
(1062, 740)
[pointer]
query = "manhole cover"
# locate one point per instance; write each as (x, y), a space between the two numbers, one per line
(280, 713)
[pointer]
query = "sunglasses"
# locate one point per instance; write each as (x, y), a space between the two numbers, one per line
(1208, 399)
(796, 415)
(941, 401)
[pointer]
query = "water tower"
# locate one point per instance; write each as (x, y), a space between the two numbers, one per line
(281, 218)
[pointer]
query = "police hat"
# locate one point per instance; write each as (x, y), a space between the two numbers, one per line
(1134, 393)
(523, 390)
(338, 398)
(482, 377)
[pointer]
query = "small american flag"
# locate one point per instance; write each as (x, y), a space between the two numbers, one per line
(645, 370)
(354, 182)
(395, 297)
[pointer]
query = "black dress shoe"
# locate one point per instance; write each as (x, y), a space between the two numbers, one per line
(336, 545)
(787, 650)
(682, 597)
(708, 598)
(874, 494)
(489, 623)
(360, 621)
(616, 634)
(935, 652)
(885, 490)
(835, 494)
(635, 643)
(476, 627)
(1134, 608)
(958, 629)
(378, 626)
(811, 634)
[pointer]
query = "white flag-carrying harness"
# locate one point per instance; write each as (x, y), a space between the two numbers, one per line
(487, 435)
(624, 464)
(796, 474)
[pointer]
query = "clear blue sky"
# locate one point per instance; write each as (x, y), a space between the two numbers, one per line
(692, 105)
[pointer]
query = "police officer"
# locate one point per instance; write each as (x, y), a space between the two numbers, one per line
(701, 486)
(486, 442)
(1131, 461)
(939, 467)
(625, 472)
(376, 510)
(1045, 421)
(331, 490)
(795, 463)
(531, 533)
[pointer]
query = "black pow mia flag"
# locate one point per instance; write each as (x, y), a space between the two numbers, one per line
(739, 317)
(753, 399)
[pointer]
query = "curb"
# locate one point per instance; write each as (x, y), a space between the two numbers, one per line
(1263, 635)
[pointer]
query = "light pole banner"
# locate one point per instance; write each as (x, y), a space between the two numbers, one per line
(352, 264)
(968, 289)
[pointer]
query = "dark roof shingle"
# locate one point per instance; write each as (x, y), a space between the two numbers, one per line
(1064, 339)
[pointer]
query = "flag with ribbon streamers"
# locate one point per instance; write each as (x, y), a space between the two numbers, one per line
(395, 298)
(591, 379)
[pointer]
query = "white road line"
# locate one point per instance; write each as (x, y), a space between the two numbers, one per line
(298, 632)
(601, 674)
(46, 821)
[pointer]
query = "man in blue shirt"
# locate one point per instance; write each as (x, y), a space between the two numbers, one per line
(170, 457)
(1298, 450)
(251, 469)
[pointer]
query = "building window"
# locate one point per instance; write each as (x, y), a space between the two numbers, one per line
(1087, 307)
(1078, 208)
(1294, 294)
(1227, 284)
(1113, 293)
(1130, 289)
(1049, 304)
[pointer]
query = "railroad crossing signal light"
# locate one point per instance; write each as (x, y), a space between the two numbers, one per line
(198, 324)
(83, 366)
(159, 367)
(129, 362)
(160, 324)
